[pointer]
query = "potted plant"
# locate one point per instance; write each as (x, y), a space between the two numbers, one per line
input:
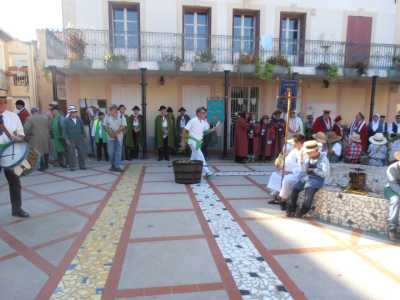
(327, 70)
(115, 61)
(394, 71)
(247, 64)
(170, 62)
(280, 64)
(204, 61)
(264, 71)
(356, 69)
(76, 50)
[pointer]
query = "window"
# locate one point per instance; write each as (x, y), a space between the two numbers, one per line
(125, 26)
(244, 33)
(196, 29)
(290, 35)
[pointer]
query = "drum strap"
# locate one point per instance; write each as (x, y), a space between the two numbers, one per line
(4, 128)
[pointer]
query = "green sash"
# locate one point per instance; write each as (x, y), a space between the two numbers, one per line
(388, 192)
(198, 142)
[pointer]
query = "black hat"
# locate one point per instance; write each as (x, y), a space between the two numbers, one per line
(170, 109)
(181, 109)
(121, 106)
(53, 106)
(162, 107)
(20, 102)
(136, 108)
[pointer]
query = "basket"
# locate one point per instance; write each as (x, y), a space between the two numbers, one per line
(187, 171)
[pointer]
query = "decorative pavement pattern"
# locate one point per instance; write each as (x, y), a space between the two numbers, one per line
(252, 275)
(86, 275)
(161, 246)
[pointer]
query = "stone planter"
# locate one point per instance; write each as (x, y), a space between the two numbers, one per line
(394, 73)
(116, 65)
(321, 72)
(81, 64)
(280, 70)
(350, 72)
(167, 66)
(202, 67)
(247, 69)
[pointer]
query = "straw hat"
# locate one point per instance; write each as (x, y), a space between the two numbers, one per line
(311, 146)
(355, 137)
(333, 138)
(320, 137)
(72, 108)
(397, 155)
(378, 139)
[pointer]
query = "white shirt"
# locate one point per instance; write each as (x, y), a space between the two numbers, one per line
(164, 122)
(196, 128)
(293, 161)
(296, 125)
(13, 124)
(337, 149)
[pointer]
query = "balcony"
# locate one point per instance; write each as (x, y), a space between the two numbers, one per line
(3, 81)
(88, 49)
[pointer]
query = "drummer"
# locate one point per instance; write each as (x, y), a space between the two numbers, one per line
(11, 130)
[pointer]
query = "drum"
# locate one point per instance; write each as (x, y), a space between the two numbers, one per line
(33, 158)
(13, 154)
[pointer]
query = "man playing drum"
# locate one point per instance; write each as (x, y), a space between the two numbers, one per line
(11, 130)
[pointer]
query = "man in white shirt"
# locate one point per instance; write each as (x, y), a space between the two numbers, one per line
(11, 130)
(295, 125)
(197, 128)
(115, 125)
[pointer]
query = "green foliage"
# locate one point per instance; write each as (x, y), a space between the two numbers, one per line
(279, 60)
(205, 56)
(396, 62)
(114, 60)
(247, 59)
(330, 70)
(172, 58)
(361, 67)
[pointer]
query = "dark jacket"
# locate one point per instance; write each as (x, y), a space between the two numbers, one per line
(73, 131)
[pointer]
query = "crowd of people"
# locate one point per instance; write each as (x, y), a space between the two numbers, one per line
(372, 143)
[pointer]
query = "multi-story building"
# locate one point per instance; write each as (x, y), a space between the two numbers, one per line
(18, 69)
(186, 51)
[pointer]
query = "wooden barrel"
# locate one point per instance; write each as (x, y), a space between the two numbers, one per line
(187, 171)
(358, 181)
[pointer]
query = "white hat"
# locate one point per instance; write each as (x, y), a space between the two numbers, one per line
(378, 139)
(72, 108)
(310, 146)
(355, 137)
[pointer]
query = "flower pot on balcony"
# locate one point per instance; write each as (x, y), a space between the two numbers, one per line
(167, 66)
(394, 73)
(280, 70)
(202, 66)
(247, 68)
(351, 72)
(81, 64)
(116, 65)
(321, 72)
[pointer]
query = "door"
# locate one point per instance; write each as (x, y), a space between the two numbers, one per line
(358, 40)
(196, 32)
(194, 97)
(243, 99)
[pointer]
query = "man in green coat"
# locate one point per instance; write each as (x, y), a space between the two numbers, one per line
(164, 134)
(134, 133)
(100, 136)
(56, 134)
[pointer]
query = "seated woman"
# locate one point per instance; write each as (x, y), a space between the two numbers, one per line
(334, 148)
(353, 150)
(281, 189)
(377, 150)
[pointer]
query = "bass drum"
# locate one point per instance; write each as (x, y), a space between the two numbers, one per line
(13, 154)
(33, 158)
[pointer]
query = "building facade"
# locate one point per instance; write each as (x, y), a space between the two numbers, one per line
(188, 51)
(18, 69)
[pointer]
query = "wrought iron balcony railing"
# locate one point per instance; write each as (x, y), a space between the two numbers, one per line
(95, 45)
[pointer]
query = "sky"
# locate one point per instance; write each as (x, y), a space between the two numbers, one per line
(21, 18)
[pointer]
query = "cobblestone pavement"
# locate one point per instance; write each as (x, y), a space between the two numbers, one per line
(94, 234)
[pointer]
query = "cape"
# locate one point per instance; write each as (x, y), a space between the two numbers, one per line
(129, 128)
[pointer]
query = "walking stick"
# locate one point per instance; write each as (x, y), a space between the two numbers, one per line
(90, 130)
(289, 98)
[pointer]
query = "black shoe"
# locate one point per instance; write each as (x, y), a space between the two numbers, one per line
(20, 214)
(283, 205)
(83, 168)
(72, 169)
(393, 236)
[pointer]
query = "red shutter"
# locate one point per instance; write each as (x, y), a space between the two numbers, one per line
(358, 39)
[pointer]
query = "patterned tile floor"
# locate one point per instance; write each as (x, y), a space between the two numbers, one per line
(98, 235)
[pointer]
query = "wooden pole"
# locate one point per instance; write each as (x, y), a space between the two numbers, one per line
(289, 106)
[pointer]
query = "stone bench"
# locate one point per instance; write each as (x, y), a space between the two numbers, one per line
(354, 211)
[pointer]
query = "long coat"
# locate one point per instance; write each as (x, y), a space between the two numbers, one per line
(159, 135)
(129, 132)
(320, 126)
(37, 132)
(56, 132)
(241, 138)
